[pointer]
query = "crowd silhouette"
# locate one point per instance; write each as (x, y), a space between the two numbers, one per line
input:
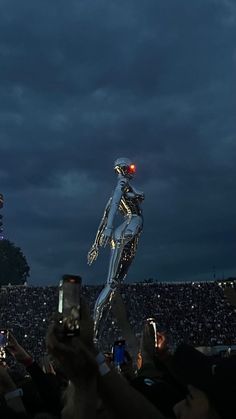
(45, 374)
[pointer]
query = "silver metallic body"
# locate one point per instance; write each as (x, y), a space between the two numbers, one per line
(123, 239)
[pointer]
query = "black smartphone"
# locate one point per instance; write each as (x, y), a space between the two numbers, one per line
(69, 301)
(153, 324)
(4, 336)
(119, 352)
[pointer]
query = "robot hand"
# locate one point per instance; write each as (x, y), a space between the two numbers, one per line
(92, 254)
(106, 236)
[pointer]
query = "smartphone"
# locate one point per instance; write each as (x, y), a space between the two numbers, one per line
(4, 336)
(69, 301)
(119, 352)
(153, 323)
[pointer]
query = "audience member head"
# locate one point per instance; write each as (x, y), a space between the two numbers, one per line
(211, 387)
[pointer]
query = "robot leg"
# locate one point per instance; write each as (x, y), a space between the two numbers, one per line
(103, 304)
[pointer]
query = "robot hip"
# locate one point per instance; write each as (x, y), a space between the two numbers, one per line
(129, 229)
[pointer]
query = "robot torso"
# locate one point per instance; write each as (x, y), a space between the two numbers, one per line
(130, 203)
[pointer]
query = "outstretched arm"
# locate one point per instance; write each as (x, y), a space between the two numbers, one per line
(105, 228)
(115, 202)
(93, 253)
(120, 313)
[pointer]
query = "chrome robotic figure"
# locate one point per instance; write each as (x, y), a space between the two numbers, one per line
(123, 239)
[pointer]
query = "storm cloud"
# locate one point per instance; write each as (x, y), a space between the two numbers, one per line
(84, 82)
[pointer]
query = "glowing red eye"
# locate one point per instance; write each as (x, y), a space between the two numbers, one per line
(132, 168)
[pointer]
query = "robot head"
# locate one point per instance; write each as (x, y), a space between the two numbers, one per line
(124, 167)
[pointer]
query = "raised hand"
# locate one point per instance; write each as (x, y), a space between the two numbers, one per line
(16, 350)
(76, 355)
(92, 254)
(6, 382)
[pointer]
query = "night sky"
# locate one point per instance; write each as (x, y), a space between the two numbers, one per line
(85, 82)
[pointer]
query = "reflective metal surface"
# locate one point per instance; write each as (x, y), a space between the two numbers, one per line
(123, 239)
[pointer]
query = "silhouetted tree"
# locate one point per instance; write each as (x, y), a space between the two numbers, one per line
(14, 268)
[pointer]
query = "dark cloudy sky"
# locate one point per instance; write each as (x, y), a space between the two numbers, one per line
(83, 82)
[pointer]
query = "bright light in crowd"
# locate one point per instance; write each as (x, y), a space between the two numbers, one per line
(26, 336)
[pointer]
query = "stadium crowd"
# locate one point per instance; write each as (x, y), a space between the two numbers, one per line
(170, 379)
(194, 313)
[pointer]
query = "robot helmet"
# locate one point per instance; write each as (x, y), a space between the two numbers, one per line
(124, 167)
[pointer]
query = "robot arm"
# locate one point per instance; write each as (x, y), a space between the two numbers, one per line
(105, 228)
(115, 201)
(93, 253)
